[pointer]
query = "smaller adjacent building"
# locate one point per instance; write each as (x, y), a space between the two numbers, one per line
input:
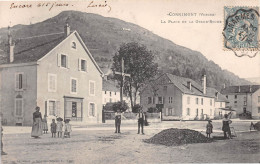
(179, 98)
(221, 104)
(243, 99)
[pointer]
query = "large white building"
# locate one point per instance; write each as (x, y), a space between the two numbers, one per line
(179, 98)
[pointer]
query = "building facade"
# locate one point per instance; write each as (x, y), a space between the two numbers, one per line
(178, 98)
(55, 72)
(243, 99)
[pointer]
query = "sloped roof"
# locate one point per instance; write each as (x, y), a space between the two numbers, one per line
(33, 48)
(243, 89)
(219, 98)
(109, 85)
(181, 83)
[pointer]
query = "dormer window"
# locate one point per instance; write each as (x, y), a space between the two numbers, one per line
(73, 45)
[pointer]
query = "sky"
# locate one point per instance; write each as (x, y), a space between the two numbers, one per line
(206, 38)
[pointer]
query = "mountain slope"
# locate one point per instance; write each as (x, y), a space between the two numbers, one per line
(103, 36)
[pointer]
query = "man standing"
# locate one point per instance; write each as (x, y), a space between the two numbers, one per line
(2, 151)
(118, 120)
(141, 119)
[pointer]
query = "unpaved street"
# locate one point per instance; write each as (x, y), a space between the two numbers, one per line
(101, 145)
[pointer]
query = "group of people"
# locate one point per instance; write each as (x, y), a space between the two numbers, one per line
(40, 126)
(225, 127)
(140, 117)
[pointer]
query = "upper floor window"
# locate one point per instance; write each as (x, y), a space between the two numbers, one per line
(170, 100)
(63, 61)
(220, 104)
(197, 100)
(259, 99)
(92, 88)
(73, 45)
(235, 96)
(105, 92)
(149, 100)
(115, 93)
(52, 82)
(82, 65)
(73, 85)
(20, 81)
(210, 102)
(227, 96)
(188, 100)
(160, 100)
(201, 101)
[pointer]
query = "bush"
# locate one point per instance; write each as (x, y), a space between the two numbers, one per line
(108, 107)
(153, 110)
(122, 106)
(136, 108)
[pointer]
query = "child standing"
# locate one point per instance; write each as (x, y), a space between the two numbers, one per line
(53, 128)
(44, 124)
(67, 128)
(209, 128)
(59, 126)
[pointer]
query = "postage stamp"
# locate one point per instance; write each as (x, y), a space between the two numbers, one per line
(241, 28)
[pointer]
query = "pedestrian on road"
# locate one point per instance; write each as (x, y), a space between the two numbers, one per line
(209, 128)
(67, 128)
(37, 123)
(226, 129)
(53, 128)
(59, 127)
(141, 120)
(118, 116)
(44, 124)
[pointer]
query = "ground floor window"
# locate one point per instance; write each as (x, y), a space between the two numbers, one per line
(18, 107)
(258, 109)
(52, 108)
(91, 109)
(188, 111)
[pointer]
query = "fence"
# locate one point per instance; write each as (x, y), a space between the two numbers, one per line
(151, 117)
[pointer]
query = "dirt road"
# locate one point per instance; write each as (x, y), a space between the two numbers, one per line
(104, 146)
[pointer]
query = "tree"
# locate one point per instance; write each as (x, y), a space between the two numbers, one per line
(139, 63)
(122, 106)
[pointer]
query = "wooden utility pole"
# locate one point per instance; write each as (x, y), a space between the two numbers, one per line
(123, 74)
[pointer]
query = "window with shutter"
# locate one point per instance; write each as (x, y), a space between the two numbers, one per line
(52, 108)
(20, 81)
(64, 61)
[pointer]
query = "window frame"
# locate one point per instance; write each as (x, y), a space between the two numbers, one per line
(17, 88)
(188, 111)
(95, 107)
(73, 45)
(16, 106)
(80, 65)
(188, 99)
(91, 81)
(72, 78)
(55, 77)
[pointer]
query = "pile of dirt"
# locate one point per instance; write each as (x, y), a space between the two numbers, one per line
(257, 126)
(175, 137)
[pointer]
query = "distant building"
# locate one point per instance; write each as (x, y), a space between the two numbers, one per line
(179, 98)
(111, 93)
(244, 98)
(55, 72)
(221, 104)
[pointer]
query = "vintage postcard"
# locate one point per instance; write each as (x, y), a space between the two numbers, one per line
(130, 81)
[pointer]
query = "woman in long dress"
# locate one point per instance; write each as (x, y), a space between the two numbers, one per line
(226, 129)
(37, 123)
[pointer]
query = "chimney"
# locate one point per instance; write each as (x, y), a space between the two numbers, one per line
(204, 82)
(189, 85)
(10, 46)
(216, 95)
(67, 29)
